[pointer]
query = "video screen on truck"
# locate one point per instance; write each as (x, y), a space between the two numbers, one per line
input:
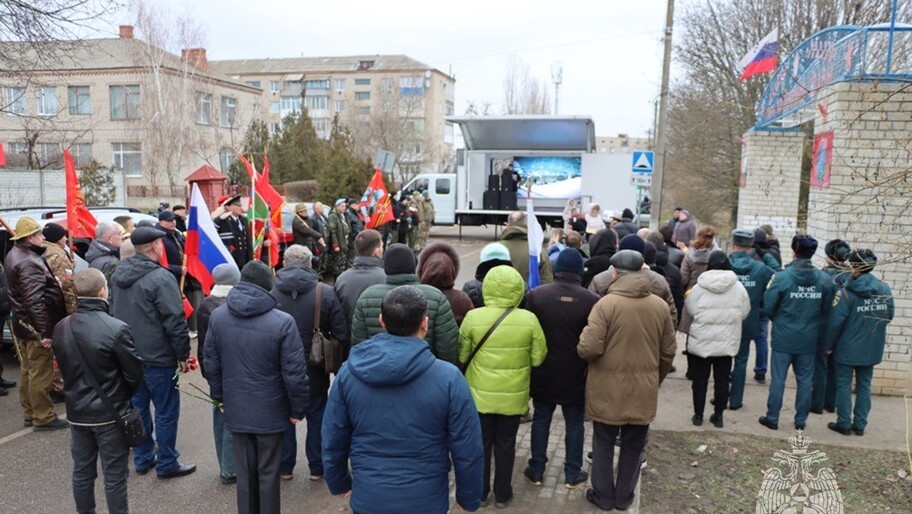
(551, 177)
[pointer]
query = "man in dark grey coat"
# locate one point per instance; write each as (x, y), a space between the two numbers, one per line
(294, 291)
(145, 296)
(255, 367)
(365, 272)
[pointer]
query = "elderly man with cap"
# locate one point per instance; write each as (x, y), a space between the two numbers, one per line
(145, 296)
(232, 228)
(318, 218)
(37, 305)
(823, 391)
(562, 308)
(400, 265)
(797, 300)
(629, 342)
(303, 234)
(856, 335)
(754, 276)
(337, 230)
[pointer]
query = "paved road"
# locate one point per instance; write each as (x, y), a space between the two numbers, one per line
(35, 467)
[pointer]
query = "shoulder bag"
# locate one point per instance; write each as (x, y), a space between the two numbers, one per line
(324, 350)
(131, 424)
(485, 338)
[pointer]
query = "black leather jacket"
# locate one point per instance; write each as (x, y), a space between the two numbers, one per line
(34, 293)
(107, 345)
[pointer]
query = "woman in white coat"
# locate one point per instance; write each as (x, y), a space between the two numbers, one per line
(718, 304)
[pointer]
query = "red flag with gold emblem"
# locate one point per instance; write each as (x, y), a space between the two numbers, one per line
(80, 222)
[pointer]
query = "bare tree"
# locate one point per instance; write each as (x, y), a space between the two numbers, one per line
(523, 93)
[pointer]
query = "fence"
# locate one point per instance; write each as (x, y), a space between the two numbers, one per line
(24, 188)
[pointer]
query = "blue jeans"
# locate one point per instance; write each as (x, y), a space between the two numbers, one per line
(803, 367)
(158, 387)
(224, 444)
(762, 341)
(844, 411)
(312, 441)
(823, 392)
(573, 438)
(739, 375)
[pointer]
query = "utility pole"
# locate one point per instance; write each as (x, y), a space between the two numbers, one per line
(557, 76)
(658, 173)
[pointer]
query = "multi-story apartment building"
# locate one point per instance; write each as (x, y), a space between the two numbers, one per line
(623, 143)
(125, 103)
(389, 102)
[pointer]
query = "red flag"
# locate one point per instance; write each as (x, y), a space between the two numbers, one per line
(2, 156)
(80, 222)
(376, 198)
(264, 189)
(188, 308)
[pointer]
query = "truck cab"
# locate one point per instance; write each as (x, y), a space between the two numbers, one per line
(441, 188)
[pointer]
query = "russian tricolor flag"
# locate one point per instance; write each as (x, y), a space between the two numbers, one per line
(536, 239)
(204, 248)
(762, 57)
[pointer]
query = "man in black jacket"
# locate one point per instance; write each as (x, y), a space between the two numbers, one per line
(562, 308)
(366, 271)
(255, 367)
(174, 243)
(295, 287)
(37, 305)
(106, 346)
(232, 229)
(145, 296)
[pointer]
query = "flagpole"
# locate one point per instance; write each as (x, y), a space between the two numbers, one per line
(252, 207)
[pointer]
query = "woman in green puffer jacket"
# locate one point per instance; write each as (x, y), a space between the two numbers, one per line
(499, 373)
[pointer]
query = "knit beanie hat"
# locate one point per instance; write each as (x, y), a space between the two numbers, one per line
(399, 259)
(649, 253)
(258, 273)
(569, 260)
(837, 250)
(226, 274)
(718, 261)
(804, 246)
(632, 242)
(863, 260)
(494, 251)
(53, 232)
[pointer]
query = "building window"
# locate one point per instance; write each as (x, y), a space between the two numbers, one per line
(449, 108)
(16, 154)
(273, 86)
(275, 107)
(321, 126)
(364, 110)
(275, 128)
(290, 104)
(362, 95)
(47, 101)
(15, 100)
(203, 108)
(411, 86)
(316, 103)
(340, 84)
(80, 101)
(293, 84)
(128, 157)
(387, 84)
(362, 82)
(125, 102)
(48, 154)
(226, 158)
(82, 154)
(254, 83)
(316, 84)
(340, 105)
(228, 111)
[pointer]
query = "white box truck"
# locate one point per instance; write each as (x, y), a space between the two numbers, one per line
(502, 154)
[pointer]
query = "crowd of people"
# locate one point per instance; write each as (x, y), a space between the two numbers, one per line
(448, 372)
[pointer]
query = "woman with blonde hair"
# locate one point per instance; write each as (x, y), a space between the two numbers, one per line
(594, 221)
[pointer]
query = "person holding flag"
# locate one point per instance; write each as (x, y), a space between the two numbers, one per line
(524, 238)
(232, 229)
(376, 206)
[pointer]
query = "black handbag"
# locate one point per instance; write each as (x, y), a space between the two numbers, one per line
(131, 424)
(324, 350)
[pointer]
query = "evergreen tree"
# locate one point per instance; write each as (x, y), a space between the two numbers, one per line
(256, 140)
(296, 153)
(344, 175)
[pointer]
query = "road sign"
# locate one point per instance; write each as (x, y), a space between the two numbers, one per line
(384, 160)
(642, 161)
(641, 179)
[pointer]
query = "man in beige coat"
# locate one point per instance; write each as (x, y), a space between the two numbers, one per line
(629, 342)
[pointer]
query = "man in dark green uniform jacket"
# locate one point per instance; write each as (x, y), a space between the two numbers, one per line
(823, 392)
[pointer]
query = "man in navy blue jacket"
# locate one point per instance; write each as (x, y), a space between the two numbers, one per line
(255, 367)
(427, 413)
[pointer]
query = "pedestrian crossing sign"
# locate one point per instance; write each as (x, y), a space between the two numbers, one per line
(642, 161)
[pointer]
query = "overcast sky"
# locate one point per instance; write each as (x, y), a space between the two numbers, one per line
(611, 50)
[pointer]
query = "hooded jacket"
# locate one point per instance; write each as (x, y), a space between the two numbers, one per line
(516, 239)
(629, 342)
(473, 287)
(35, 296)
(365, 272)
(145, 296)
(438, 266)
(217, 297)
(442, 335)
(101, 255)
(294, 294)
(500, 372)
(857, 328)
(602, 246)
(625, 227)
(255, 362)
(562, 309)
(685, 231)
(427, 417)
(694, 264)
(107, 346)
(719, 304)
(754, 276)
(798, 301)
(658, 286)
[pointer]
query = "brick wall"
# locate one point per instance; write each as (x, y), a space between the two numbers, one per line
(769, 195)
(869, 198)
